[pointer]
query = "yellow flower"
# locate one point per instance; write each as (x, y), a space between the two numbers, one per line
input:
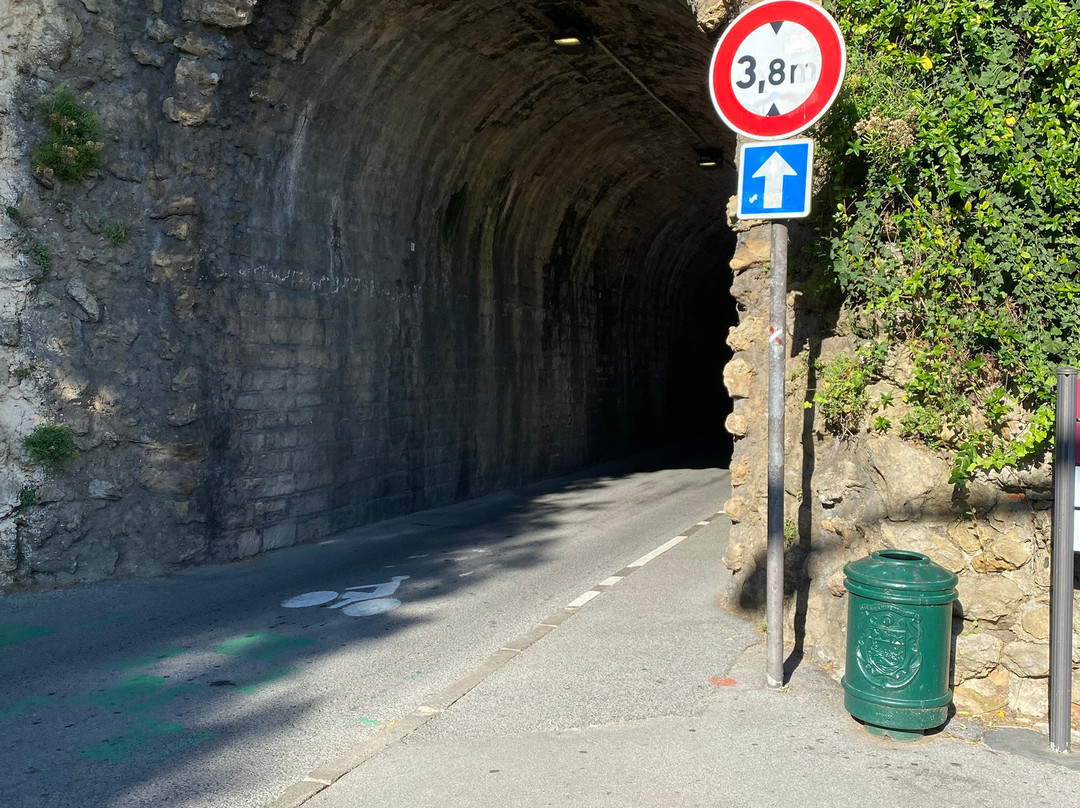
(891, 46)
(926, 63)
(1010, 120)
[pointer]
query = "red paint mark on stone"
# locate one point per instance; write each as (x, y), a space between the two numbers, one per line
(722, 681)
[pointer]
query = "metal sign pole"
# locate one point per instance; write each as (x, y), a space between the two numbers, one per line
(779, 34)
(774, 603)
(1061, 569)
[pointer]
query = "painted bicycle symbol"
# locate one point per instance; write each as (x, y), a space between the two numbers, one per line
(355, 601)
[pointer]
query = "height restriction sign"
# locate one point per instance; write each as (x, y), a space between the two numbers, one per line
(777, 69)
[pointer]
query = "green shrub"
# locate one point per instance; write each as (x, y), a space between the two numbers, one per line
(117, 233)
(72, 149)
(13, 214)
(51, 446)
(27, 497)
(41, 256)
(953, 209)
(923, 424)
(841, 398)
(791, 532)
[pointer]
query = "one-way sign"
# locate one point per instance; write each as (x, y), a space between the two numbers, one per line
(774, 179)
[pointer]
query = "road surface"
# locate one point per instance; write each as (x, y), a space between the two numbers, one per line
(203, 689)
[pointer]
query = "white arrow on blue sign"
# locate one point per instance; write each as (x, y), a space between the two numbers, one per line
(774, 179)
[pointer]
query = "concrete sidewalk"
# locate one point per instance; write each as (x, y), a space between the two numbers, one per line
(649, 694)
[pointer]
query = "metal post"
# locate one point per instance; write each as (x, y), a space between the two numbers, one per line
(774, 604)
(1061, 563)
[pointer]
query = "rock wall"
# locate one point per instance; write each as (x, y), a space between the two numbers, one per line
(848, 496)
(342, 260)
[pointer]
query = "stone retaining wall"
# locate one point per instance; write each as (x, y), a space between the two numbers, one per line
(846, 497)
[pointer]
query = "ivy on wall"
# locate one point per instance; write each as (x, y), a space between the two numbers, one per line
(953, 222)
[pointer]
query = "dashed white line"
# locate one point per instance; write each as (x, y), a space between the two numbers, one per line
(578, 602)
(396, 731)
(659, 551)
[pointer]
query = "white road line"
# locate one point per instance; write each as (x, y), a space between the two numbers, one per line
(577, 603)
(389, 733)
(641, 562)
(659, 551)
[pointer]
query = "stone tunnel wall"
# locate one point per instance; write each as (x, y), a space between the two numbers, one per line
(377, 257)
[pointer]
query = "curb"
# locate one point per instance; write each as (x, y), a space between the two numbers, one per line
(329, 773)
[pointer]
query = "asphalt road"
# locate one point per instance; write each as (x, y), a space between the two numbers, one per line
(203, 689)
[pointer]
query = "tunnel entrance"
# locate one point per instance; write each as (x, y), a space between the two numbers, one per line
(377, 256)
(522, 266)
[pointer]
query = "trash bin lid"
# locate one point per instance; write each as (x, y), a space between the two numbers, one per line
(900, 571)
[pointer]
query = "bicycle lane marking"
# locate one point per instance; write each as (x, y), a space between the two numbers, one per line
(399, 729)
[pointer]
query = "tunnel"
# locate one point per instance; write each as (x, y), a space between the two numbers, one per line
(477, 258)
(396, 254)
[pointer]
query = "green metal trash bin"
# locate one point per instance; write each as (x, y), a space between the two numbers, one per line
(899, 627)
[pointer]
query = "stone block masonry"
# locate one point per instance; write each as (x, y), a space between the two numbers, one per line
(341, 261)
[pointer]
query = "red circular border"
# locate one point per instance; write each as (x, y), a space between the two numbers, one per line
(822, 27)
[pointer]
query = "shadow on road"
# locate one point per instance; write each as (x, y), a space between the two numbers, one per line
(134, 687)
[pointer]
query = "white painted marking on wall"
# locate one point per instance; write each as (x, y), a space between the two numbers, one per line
(582, 600)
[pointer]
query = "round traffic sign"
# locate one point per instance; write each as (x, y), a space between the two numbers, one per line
(777, 68)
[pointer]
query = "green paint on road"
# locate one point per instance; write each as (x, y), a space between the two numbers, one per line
(154, 657)
(371, 722)
(11, 633)
(13, 709)
(138, 693)
(147, 741)
(271, 675)
(262, 645)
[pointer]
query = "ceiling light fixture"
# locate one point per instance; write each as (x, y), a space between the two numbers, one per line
(570, 42)
(711, 157)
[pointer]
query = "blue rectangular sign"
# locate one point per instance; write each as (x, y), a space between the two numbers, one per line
(774, 179)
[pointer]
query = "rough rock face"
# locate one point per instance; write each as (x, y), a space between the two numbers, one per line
(848, 497)
(341, 260)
